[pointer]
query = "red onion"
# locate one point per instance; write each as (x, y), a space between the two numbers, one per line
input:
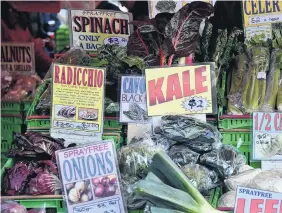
(105, 181)
(110, 190)
(95, 181)
(113, 181)
(99, 190)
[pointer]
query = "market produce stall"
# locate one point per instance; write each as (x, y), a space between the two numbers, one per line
(167, 115)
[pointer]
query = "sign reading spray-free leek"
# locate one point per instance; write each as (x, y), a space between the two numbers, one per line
(92, 29)
(259, 16)
(77, 102)
(90, 178)
(133, 107)
(257, 201)
(17, 57)
(179, 90)
(267, 136)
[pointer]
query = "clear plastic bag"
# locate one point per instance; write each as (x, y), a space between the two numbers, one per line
(239, 72)
(241, 179)
(12, 207)
(135, 158)
(226, 161)
(189, 131)
(202, 178)
(272, 81)
(227, 200)
(255, 81)
(75, 56)
(268, 180)
(23, 88)
(182, 155)
(45, 102)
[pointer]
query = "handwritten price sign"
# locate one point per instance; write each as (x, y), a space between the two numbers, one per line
(267, 131)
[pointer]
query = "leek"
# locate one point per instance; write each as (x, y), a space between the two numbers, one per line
(182, 196)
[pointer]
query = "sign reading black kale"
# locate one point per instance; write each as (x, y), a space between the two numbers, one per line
(133, 100)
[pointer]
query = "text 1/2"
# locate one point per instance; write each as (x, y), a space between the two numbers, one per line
(267, 121)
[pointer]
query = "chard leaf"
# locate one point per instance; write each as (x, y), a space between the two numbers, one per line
(182, 31)
(136, 45)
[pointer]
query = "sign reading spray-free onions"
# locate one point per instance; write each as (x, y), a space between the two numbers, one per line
(90, 178)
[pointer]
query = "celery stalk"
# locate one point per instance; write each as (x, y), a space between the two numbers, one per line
(272, 81)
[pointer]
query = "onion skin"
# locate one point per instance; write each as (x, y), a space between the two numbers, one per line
(80, 186)
(74, 195)
(96, 181)
(105, 181)
(110, 190)
(113, 181)
(84, 198)
(99, 190)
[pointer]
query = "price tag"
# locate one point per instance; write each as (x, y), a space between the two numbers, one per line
(267, 135)
(256, 201)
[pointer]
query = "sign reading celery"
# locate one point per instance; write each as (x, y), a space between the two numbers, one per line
(260, 15)
(267, 136)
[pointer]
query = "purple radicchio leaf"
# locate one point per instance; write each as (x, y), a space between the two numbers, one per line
(182, 31)
(16, 178)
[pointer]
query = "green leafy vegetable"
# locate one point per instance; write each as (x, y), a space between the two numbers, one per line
(255, 87)
(182, 196)
(272, 81)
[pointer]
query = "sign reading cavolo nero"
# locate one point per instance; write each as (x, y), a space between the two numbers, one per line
(260, 15)
(92, 29)
(17, 57)
(179, 90)
(77, 102)
(90, 178)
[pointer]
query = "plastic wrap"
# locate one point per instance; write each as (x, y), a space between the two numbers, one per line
(268, 180)
(75, 56)
(24, 87)
(12, 207)
(201, 177)
(135, 158)
(272, 81)
(189, 131)
(166, 143)
(239, 71)
(227, 200)
(255, 81)
(182, 155)
(241, 179)
(45, 102)
(226, 161)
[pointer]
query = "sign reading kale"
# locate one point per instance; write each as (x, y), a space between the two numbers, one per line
(179, 90)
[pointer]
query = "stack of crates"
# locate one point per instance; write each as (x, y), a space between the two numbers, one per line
(12, 121)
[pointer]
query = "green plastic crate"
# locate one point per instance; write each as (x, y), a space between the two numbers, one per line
(232, 138)
(116, 137)
(50, 203)
(12, 119)
(9, 107)
(112, 124)
(7, 135)
(38, 123)
(14, 108)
